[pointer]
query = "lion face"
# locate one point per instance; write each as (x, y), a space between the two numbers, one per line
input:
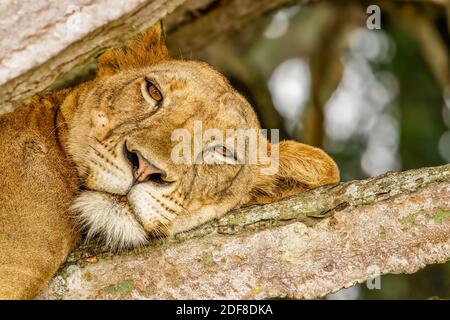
(124, 142)
(137, 138)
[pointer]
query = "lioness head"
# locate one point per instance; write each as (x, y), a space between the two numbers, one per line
(127, 135)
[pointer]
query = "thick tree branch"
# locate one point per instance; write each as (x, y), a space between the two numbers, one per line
(305, 246)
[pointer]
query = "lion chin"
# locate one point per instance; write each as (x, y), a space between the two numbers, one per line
(105, 216)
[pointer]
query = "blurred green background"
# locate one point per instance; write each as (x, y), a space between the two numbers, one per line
(376, 100)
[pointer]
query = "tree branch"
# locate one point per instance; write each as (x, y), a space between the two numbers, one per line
(305, 246)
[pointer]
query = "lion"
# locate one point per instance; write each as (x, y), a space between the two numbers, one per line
(99, 157)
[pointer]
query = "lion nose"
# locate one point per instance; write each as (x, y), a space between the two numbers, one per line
(146, 170)
(142, 169)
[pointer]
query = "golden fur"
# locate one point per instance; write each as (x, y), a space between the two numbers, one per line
(101, 153)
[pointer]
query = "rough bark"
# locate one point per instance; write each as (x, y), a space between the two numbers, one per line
(305, 246)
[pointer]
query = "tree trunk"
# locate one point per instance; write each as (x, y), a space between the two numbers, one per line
(305, 246)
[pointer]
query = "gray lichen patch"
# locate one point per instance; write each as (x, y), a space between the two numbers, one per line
(58, 286)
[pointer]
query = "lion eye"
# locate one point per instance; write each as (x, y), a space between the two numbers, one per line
(151, 93)
(222, 150)
(154, 92)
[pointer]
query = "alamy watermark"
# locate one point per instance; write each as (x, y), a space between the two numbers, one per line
(374, 19)
(230, 146)
(374, 283)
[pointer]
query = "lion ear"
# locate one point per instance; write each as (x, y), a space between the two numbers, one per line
(300, 167)
(147, 49)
